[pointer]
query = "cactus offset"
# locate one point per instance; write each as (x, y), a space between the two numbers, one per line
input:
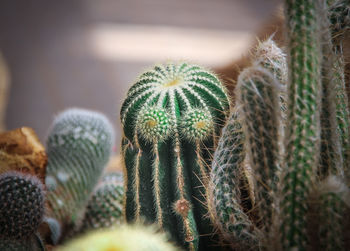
(22, 205)
(170, 118)
(105, 204)
(79, 147)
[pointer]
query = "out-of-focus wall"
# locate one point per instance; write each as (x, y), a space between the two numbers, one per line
(86, 53)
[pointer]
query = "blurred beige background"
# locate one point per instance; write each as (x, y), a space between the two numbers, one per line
(86, 53)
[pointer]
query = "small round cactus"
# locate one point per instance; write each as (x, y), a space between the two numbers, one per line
(22, 200)
(79, 146)
(106, 203)
(126, 238)
(31, 243)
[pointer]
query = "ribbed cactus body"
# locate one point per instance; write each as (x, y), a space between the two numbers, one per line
(125, 238)
(78, 147)
(257, 95)
(105, 204)
(227, 174)
(302, 137)
(22, 202)
(170, 119)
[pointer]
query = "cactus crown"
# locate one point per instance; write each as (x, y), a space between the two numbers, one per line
(173, 96)
(22, 199)
(81, 132)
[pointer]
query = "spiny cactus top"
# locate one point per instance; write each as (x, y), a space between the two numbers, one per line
(21, 205)
(170, 117)
(79, 146)
(175, 98)
(125, 238)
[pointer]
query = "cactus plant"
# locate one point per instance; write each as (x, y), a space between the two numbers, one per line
(125, 238)
(22, 205)
(302, 137)
(170, 119)
(229, 215)
(333, 201)
(30, 243)
(78, 147)
(257, 95)
(106, 203)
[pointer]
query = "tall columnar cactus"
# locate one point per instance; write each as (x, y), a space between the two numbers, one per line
(257, 95)
(302, 137)
(125, 238)
(22, 200)
(170, 119)
(105, 204)
(78, 147)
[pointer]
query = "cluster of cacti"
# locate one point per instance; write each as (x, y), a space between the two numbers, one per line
(297, 164)
(277, 179)
(171, 118)
(78, 147)
(22, 200)
(105, 204)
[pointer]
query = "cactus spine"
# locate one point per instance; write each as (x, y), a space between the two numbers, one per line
(178, 111)
(78, 146)
(105, 204)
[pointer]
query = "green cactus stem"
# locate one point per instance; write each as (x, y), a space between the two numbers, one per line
(22, 203)
(170, 119)
(257, 95)
(333, 201)
(227, 172)
(78, 147)
(302, 137)
(125, 238)
(105, 204)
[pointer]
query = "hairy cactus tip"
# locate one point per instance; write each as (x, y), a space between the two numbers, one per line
(22, 203)
(79, 146)
(171, 118)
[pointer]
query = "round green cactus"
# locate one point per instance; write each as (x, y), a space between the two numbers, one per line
(125, 238)
(105, 204)
(170, 119)
(22, 205)
(30, 243)
(79, 146)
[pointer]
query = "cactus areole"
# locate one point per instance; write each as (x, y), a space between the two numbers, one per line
(170, 119)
